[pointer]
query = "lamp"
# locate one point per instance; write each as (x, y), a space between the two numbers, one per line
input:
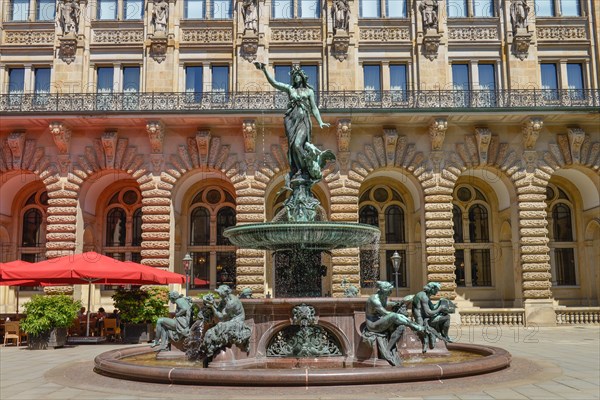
(396, 258)
(187, 260)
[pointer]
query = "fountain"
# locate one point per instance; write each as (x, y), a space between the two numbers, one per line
(299, 337)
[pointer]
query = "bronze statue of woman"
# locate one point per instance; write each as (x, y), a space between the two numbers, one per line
(306, 161)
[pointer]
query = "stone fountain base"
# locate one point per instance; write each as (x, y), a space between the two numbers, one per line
(351, 361)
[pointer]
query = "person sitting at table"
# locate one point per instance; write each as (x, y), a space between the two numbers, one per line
(100, 315)
(81, 313)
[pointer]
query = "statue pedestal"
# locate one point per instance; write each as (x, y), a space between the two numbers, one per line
(410, 346)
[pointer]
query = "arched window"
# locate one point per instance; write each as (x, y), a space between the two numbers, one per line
(383, 206)
(478, 224)
(116, 227)
(123, 225)
(200, 227)
(225, 219)
(136, 239)
(562, 238)
(33, 227)
(213, 256)
(472, 243)
(394, 225)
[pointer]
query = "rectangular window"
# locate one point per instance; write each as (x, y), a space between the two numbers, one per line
(194, 9)
(312, 72)
(131, 79)
(398, 84)
(487, 84)
(16, 80)
(483, 8)
(107, 9)
(226, 269)
(20, 10)
(549, 81)
(457, 8)
(282, 74)
(282, 9)
(200, 270)
(221, 9)
(459, 264)
(133, 9)
(42, 80)
(570, 8)
(220, 79)
(575, 81)
(544, 8)
(460, 76)
(395, 8)
(461, 84)
(565, 267)
(46, 10)
(372, 77)
(370, 8)
(193, 82)
(391, 276)
(481, 267)
(105, 79)
(309, 8)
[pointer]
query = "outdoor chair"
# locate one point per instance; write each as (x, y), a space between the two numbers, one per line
(111, 328)
(12, 332)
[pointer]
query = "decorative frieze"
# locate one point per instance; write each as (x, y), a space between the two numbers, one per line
(249, 132)
(113, 36)
(386, 34)
(29, 38)
(484, 137)
(207, 35)
(295, 34)
(109, 144)
(561, 32)
(576, 137)
(62, 136)
(473, 33)
(437, 133)
(156, 134)
(531, 131)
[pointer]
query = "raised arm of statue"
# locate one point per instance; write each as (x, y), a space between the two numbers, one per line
(277, 85)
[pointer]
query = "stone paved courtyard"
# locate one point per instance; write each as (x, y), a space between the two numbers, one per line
(548, 363)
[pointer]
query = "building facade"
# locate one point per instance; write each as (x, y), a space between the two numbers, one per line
(469, 132)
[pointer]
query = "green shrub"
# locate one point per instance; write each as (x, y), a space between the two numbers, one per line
(145, 304)
(45, 313)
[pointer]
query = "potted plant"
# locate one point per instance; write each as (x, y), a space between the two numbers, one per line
(140, 308)
(47, 320)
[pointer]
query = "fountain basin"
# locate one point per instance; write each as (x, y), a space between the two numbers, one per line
(112, 364)
(340, 317)
(317, 236)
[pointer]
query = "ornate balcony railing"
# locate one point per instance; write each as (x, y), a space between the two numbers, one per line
(328, 101)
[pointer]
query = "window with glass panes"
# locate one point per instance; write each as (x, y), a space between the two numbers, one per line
(31, 245)
(16, 80)
(19, 10)
(211, 211)
(470, 8)
(557, 8)
(383, 8)
(193, 83)
(45, 10)
(287, 9)
(282, 74)
(472, 238)
(461, 82)
(563, 244)
(549, 78)
(575, 81)
(372, 81)
(220, 82)
(398, 84)
(122, 215)
(383, 206)
(208, 9)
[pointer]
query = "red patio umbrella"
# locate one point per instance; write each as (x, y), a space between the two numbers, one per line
(89, 268)
(16, 283)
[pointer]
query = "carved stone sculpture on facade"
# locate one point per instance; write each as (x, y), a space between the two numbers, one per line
(68, 16)
(174, 329)
(518, 14)
(340, 13)
(429, 13)
(386, 327)
(250, 15)
(160, 17)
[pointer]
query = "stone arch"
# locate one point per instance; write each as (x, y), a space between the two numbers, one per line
(19, 154)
